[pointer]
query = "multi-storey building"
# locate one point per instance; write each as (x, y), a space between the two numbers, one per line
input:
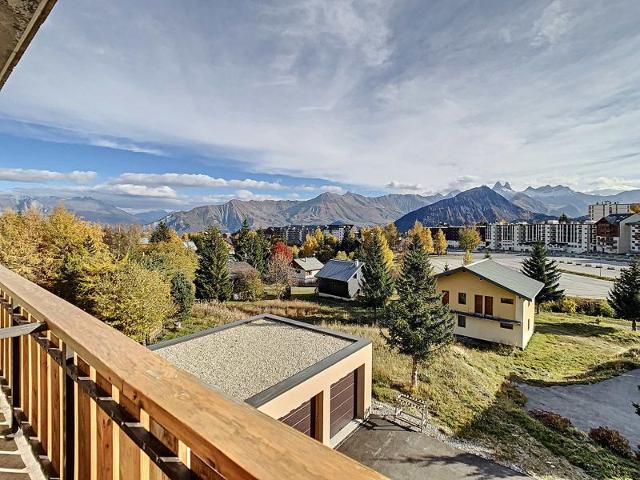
(603, 209)
(610, 234)
(634, 246)
(295, 234)
(572, 237)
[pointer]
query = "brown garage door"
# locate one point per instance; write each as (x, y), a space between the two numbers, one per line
(303, 418)
(343, 402)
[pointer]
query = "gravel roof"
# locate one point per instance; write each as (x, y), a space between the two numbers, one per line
(250, 357)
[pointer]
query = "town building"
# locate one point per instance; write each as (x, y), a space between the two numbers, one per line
(340, 279)
(490, 302)
(305, 270)
(315, 380)
(570, 237)
(610, 236)
(604, 209)
(296, 234)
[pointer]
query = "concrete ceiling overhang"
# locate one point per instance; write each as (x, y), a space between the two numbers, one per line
(19, 22)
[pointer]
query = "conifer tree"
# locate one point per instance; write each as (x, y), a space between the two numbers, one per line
(212, 275)
(378, 284)
(183, 295)
(162, 233)
(624, 297)
(242, 241)
(440, 243)
(539, 267)
(428, 241)
(419, 324)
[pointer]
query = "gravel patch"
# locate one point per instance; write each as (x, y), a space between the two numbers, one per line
(244, 360)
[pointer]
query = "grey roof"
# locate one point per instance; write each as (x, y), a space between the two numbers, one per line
(236, 268)
(257, 359)
(616, 218)
(502, 276)
(341, 270)
(309, 263)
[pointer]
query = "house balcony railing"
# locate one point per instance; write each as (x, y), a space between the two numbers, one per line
(94, 404)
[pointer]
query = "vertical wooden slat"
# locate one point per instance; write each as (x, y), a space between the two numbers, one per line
(83, 427)
(129, 453)
(43, 375)
(25, 395)
(55, 395)
(34, 382)
(104, 436)
(169, 440)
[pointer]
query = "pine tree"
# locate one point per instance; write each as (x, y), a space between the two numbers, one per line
(624, 297)
(162, 233)
(182, 293)
(419, 324)
(242, 241)
(378, 284)
(539, 267)
(440, 243)
(212, 276)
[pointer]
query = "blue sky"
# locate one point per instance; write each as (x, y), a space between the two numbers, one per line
(147, 104)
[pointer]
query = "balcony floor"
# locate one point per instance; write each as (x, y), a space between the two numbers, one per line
(17, 462)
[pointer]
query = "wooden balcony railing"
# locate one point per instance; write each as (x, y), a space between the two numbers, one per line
(94, 404)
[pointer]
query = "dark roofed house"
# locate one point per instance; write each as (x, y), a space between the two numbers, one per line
(340, 279)
(237, 271)
(608, 233)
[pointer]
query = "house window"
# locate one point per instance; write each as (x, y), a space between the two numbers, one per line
(462, 298)
(462, 321)
(508, 301)
(445, 297)
(508, 326)
(488, 306)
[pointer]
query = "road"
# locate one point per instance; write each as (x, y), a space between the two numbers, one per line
(608, 403)
(573, 285)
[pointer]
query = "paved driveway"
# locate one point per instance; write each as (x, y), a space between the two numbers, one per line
(403, 454)
(607, 403)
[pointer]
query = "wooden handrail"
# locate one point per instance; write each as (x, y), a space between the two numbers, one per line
(235, 439)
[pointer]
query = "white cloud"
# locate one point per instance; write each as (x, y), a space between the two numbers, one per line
(332, 189)
(130, 147)
(193, 180)
(138, 190)
(44, 176)
(395, 185)
(355, 92)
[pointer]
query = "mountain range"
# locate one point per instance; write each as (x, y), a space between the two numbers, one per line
(85, 207)
(327, 208)
(559, 199)
(476, 205)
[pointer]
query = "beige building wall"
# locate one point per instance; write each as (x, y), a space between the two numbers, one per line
(319, 386)
(519, 310)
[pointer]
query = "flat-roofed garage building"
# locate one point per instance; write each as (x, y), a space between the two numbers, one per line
(316, 380)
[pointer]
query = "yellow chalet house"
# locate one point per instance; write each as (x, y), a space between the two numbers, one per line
(490, 302)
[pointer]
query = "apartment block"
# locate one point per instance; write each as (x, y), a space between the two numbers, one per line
(604, 209)
(570, 237)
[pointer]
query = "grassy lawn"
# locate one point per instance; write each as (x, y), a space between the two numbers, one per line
(470, 389)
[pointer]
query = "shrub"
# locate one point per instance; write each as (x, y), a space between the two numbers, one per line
(565, 305)
(612, 440)
(594, 308)
(248, 286)
(552, 420)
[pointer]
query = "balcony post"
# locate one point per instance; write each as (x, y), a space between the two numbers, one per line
(15, 369)
(68, 411)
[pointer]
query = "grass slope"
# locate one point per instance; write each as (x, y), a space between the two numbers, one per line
(470, 389)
